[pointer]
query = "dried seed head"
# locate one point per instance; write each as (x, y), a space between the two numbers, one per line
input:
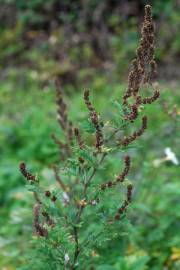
(44, 214)
(76, 132)
(95, 121)
(47, 193)
(134, 113)
(120, 177)
(149, 100)
(129, 192)
(148, 13)
(127, 140)
(127, 162)
(126, 202)
(144, 68)
(78, 138)
(54, 198)
(117, 217)
(110, 184)
(81, 160)
(25, 173)
(103, 186)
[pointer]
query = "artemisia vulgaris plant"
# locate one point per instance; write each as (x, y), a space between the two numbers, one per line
(87, 209)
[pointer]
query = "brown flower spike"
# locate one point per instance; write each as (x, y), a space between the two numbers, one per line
(120, 177)
(127, 140)
(125, 204)
(25, 173)
(78, 138)
(143, 69)
(62, 114)
(94, 120)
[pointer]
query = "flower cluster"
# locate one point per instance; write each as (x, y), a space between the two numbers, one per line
(120, 177)
(134, 112)
(25, 173)
(125, 204)
(127, 140)
(149, 100)
(143, 71)
(78, 138)
(94, 120)
(64, 122)
(49, 195)
(127, 162)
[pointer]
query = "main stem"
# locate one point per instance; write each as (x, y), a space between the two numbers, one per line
(79, 213)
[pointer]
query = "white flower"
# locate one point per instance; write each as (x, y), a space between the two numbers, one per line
(94, 202)
(171, 156)
(66, 258)
(65, 198)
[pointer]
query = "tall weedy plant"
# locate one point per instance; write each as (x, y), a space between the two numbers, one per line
(88, 209)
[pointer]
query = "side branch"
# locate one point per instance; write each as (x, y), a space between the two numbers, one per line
(127, 140)
(125, 204)
(120, 177)
(94, 120)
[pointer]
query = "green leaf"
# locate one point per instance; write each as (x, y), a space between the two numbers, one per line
(88, 126)
(32, 188)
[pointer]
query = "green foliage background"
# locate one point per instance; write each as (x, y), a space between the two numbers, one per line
(28, 53)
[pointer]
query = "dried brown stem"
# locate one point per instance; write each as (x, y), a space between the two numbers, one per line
(58, 178)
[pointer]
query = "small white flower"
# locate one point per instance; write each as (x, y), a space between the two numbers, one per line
(65, 198)
(66, 258)
(94, 202)
(171, 156)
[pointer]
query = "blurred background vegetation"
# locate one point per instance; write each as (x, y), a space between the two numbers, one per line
(87, 43)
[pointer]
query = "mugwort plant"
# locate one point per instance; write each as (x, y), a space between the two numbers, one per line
(87, 209)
